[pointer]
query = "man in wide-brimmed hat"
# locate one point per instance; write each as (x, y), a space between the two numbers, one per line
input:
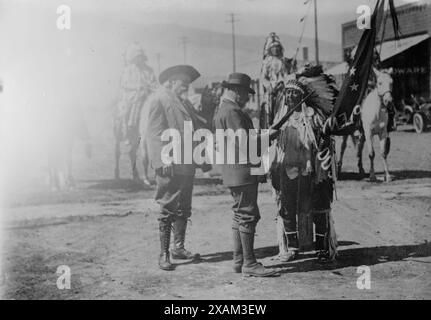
(170, 109)
(242, 184)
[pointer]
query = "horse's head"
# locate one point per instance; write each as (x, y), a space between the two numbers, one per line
(384, 85)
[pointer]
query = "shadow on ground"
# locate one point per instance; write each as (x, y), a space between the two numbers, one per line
(127, 185)
(397, 175)
(346, 257)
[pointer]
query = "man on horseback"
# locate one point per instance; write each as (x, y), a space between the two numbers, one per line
(274, 69)
(137, 82)
(302, 183)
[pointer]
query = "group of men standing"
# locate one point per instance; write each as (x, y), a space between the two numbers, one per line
(169, 108)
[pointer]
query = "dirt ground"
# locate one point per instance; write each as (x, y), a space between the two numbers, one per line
(106, 232)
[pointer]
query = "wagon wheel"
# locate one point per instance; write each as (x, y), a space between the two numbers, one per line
(419, 122)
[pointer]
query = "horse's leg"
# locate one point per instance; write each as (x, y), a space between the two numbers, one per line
(359, 149)
(70, 181)
(384, 149)
(133, 155)
(54, 182)
(145, 162)
(371, 153)
(342, 150)
(117, 158)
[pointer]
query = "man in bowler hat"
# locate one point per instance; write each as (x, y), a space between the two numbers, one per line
(242, 184)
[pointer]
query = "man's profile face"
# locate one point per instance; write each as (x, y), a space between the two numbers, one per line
(180, 84)
(293, 97)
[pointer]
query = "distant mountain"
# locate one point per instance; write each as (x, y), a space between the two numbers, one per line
(83, 66)
(211, 52)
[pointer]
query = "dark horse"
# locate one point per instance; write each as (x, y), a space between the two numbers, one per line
(133, 138)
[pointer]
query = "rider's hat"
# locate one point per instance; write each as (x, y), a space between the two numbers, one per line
(133, 51)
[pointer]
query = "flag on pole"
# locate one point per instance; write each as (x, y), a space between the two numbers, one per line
(356, 81)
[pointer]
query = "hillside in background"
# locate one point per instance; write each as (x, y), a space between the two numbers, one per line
(45, 67)
(211, 52)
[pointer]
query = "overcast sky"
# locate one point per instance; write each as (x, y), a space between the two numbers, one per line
(255, 16)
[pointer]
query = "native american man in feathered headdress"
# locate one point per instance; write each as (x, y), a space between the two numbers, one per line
(275, 67)
(301, 173)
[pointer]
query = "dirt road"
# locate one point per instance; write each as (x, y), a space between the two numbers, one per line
(106, 233)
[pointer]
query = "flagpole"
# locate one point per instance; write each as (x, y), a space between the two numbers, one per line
(316, 38)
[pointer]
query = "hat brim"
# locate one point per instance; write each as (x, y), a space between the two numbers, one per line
(228, 85)
(191, 72)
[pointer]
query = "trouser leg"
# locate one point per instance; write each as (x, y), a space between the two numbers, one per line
(174, 195)
(245, 218)
(246, 212)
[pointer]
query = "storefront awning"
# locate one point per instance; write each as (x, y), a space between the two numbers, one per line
(394, 47)
(389, 49)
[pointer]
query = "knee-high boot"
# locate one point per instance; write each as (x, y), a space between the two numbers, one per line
(165, 238)
(251, 267)
(179, 251)
(238, 257)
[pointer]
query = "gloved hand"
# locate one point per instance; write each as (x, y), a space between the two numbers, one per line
(262, 178)
(206, 167)
(165, 171)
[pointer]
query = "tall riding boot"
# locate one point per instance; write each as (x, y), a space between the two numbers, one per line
(322, 251)
(165, 238)
(238, 257)
(292, 246)
(179, 252)
(251, 267)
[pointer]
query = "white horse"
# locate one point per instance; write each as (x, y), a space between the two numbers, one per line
(374, 116)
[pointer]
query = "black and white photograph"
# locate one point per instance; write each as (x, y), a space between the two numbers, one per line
(242, 151)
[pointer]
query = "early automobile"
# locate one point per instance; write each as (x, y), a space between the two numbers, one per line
(422, 117)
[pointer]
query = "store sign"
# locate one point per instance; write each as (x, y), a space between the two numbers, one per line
(412, 70)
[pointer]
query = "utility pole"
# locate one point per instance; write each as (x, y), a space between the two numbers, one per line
(158, 55)
(232, 21)
(184, 42)
(316, 37)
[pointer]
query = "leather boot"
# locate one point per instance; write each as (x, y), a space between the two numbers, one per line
(238, 257)
(165, 238)
(179, 252)
(292, 247)
(322, 252)
(252, 268)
